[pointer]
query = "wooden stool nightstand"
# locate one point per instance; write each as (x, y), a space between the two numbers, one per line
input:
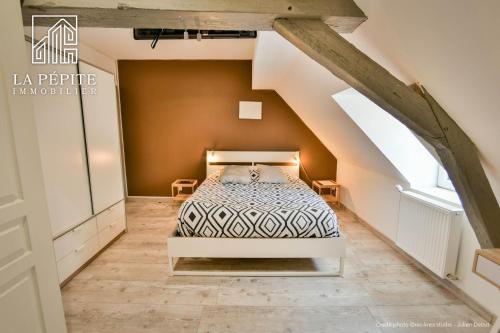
(179, 185)
(333, 188)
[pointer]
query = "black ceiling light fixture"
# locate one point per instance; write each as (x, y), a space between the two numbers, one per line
(157, 34)
(155, 38)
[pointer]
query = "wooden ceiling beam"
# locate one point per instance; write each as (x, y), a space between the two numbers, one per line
(346, 62)
(417, 110)
(341, 15)
(461, 160)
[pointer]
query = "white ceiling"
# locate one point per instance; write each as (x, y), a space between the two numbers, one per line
(120, 44)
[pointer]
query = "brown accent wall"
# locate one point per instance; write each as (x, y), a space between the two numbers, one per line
(174, 110)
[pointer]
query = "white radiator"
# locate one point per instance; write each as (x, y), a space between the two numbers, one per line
(429, 231)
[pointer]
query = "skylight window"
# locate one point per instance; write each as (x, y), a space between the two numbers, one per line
(443, 180)
(399, 145)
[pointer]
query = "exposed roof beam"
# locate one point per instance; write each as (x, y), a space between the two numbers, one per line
(419, 111)
(341, 15)
(346, 62)
(461, 160)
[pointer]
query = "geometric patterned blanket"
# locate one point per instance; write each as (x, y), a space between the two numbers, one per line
(256, 210)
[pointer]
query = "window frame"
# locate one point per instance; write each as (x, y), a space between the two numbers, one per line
(443, 180)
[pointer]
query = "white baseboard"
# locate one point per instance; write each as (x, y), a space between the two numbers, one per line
(148, 198)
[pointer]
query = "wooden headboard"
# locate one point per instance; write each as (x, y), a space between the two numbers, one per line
(289, 161)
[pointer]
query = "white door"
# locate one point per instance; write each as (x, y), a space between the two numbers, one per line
(30, 300)
(102, 133)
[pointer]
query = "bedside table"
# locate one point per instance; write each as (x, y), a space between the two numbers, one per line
(332, 187)
(179, 185)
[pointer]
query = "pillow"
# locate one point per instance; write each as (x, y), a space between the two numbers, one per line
(271, 174)
(254, 173)
(238, 174)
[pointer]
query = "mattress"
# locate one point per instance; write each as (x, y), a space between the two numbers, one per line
(256, 210)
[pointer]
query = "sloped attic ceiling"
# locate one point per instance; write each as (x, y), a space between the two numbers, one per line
(449, 46)
(308, 88)
(452, 48)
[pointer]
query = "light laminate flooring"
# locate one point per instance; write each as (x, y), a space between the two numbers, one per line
(127, 289)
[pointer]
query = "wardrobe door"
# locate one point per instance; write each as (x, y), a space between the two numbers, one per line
(62, 150)
(102, 133)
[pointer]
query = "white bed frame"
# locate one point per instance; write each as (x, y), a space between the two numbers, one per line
(200, 247)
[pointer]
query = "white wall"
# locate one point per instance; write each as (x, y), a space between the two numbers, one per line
(417, 42)
(373, 196)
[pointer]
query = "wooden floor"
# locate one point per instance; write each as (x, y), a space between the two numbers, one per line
(127, 289)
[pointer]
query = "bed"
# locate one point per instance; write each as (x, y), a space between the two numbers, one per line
(256, 210)
(256, 220)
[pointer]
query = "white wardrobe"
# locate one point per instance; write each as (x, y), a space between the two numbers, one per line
(79, 140)
(103, 140)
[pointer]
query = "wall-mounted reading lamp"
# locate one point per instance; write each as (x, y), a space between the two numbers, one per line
(301, 166)
(297, 159)
(211, 156)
